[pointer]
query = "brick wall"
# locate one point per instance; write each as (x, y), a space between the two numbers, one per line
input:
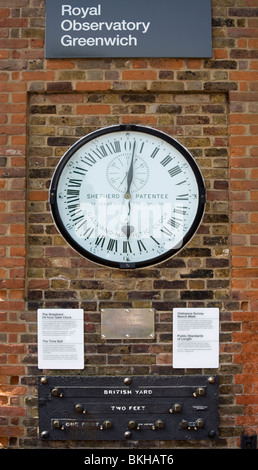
(209, 105)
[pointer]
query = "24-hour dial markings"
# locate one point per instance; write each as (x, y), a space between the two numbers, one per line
(125, 247)
(74, 183)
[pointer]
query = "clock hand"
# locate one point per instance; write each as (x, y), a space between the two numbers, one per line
(128, 229)
(130, 174)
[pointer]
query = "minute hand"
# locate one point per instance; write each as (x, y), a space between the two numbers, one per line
(130, 173)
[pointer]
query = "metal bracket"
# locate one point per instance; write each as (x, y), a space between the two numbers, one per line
(249, 442)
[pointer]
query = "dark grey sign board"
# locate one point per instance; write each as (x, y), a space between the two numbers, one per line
(136, 28)
(120, 408)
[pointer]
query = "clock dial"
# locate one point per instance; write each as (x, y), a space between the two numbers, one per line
(127, 196)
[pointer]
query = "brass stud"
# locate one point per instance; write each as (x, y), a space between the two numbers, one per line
(56, 424)
(79, 408)
(131, 424)
(199, 423)
(183, 423)
(159, 424)
(177, 407)
(107, 424)
(211, 380)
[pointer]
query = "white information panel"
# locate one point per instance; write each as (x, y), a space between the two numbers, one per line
(195, 338)
(60, 339)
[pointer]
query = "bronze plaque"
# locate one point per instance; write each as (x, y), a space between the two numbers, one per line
(135, 323)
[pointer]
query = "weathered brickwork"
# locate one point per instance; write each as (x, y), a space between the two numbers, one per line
(210, 106)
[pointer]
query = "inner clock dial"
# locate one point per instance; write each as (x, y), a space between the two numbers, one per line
(117, 171)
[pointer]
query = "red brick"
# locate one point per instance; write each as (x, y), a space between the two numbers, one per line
(35, 75)
(12, 411)
(38, 196)
(139, 75)
(59, 64)
(7, 432)
(93, 86)
(123, 96)
(14, 43)
(13, 22)
(93, 109)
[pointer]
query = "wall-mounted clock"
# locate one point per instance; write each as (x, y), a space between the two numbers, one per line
(127, 196)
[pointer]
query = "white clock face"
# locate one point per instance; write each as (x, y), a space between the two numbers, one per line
(127, 196)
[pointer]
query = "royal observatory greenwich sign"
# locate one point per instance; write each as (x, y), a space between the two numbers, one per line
(132, 28)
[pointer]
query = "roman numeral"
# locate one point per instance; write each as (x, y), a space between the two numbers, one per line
(182, 197)
(73, 200)
(100, 151)
(100, 241)
(80, 171)
(154, 239)
(180, 210)
(166, 160)
(74, 183)
(141, 149)
(154, 153)
(175, 171)
(74, 212)
(127, 247)
(89, 160)
(166, 231)
(174, 222)
(73, 192)
(112, 245)
(114, 147)
(88, 232)
(73, 207)
(73, 195)
(141, 246)
(82, 223)
(77, 219)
